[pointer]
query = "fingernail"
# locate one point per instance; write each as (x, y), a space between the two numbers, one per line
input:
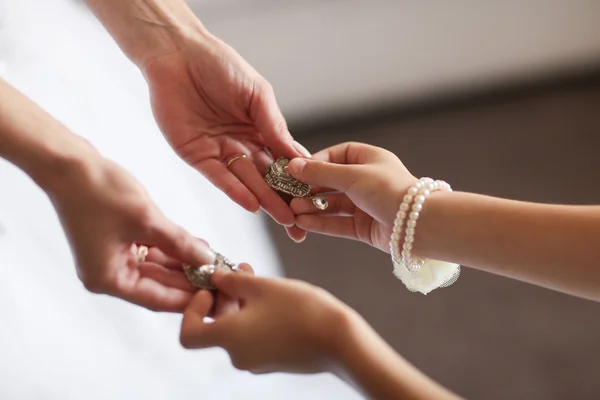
(296, 166)
(257, 212)
(301, 149)
(203, 254)
(299, 240)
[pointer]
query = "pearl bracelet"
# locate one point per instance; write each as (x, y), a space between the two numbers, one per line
(416, 196)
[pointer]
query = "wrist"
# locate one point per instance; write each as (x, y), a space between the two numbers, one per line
(56, 172)
(149, 29)
(165, 36)
(343, 334)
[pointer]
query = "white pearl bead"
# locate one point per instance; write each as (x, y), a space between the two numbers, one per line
(425, 193)
(413, 191)
(409, 239)
(430, 186)
(408, 198)
(407, 246)
(404, 207)
(420, 199)
(397, 228)
(419, 185)
(411, 224)
(395, 236)
(402, 214)
(410, 231)
(417, 207)
(413, 215)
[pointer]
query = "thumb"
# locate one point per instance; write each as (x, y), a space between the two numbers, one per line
(178, 243)
(238, 285)
(195, 333)
(321, 173)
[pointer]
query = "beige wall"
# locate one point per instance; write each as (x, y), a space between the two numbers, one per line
(327, 57)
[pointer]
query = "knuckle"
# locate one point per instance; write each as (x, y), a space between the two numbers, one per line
(92, 286)
(145, 216)
(98, 284)
(281, 128)
(186, 340)
(265, 87)
(239, 364)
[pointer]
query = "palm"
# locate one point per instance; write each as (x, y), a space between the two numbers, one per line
(211, 107)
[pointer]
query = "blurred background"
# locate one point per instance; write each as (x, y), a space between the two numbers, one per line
(499, 98)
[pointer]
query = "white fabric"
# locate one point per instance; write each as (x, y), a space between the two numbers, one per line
(432, 275)
(56, 340)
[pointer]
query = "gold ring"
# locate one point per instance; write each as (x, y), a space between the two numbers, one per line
(142, 252)
(235, 159)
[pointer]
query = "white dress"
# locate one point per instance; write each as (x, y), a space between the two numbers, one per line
(58, 341)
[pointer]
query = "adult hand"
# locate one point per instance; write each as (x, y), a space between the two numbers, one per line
(212, 107)
(106, 214)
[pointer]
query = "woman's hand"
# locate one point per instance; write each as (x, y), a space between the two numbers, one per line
(212, 106)
(106, 214)
(371, 183)
(282, 326)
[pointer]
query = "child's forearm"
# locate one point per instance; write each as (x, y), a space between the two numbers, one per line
(370, 365)
(549, 245)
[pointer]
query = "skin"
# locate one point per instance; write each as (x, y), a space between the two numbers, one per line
(321, 335)
(104, 211)
(210, 104)
(553, 246)
(525, 241)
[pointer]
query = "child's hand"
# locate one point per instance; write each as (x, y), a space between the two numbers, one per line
(372, 182)
(282, 325)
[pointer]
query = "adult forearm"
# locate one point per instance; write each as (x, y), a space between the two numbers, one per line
(549, 245)
(147, 29)
(369, 364)
(37, 143)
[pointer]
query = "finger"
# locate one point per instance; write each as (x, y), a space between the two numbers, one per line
(270, 201)
(295, 233)
(315, 190)
(225, 305)
(350, 153)
(270, 122)
(322, 173)
(332, 226)
(195, 333)
(337, 204)
(154, 295)
(262, 160)
(175, 242)
(158, 256)
(166, 277)
(246, 268)
(238, 285)
(221, 177)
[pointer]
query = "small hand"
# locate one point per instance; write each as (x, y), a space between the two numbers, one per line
(106, 214)
(282, 326)
(371, 183)
(212, 106)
